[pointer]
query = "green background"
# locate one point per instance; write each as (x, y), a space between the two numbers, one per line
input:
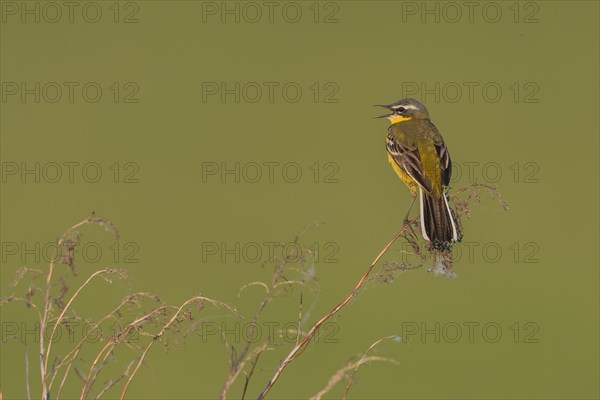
(370, 55)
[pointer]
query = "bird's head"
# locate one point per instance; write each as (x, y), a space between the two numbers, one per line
(404, 110)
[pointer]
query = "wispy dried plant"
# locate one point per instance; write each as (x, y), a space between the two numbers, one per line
(145, 316)
(349, 370)
(289, 271)
(56, 311)
(423, 250)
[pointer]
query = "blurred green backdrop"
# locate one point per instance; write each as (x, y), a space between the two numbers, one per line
(162, 97)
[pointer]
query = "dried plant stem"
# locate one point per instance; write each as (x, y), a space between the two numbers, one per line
(62, 314)
(29, 303)
(86, 382)
(249, 375)
(300, 347)
(164, 329)
(72, 355)
(27, 372)
(474, 186)
(47, 307)
(362, 361)
(339, 375)
(117, 380)
(237, 366)
(107, 349)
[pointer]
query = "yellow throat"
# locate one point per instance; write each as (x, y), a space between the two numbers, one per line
(394, 119)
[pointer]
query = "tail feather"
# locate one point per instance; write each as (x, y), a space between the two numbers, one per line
(437, 223)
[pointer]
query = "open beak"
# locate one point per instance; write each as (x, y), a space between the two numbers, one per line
(384, 106)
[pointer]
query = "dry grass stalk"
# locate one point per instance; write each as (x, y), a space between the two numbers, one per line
(300, 347)
(167, 318)
(162, 316)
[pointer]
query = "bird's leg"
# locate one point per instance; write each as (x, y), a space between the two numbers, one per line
(412, 202)
(407, 222)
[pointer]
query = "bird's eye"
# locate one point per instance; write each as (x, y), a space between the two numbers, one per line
(400, 109)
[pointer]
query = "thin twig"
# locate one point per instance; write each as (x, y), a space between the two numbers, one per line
(474, 186)
(87, 380)
(62, 314)
(48, 304)
(249, 376)
(114, 382)
(299, 332)
(339, 375)
(72, 355)
(238, 364)
(27, 302)
(27, 371)
(300, 347)
(107, 349)
(362, 361)
(164, 329)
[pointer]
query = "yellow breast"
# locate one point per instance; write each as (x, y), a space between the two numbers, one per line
(404, 177)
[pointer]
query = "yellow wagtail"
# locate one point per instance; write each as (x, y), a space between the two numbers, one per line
(419, 156)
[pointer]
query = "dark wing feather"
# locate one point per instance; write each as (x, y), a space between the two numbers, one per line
(409, 159)
(445, 162)
(442, 152)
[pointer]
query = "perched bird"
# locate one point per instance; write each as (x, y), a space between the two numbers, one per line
(420, 158)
